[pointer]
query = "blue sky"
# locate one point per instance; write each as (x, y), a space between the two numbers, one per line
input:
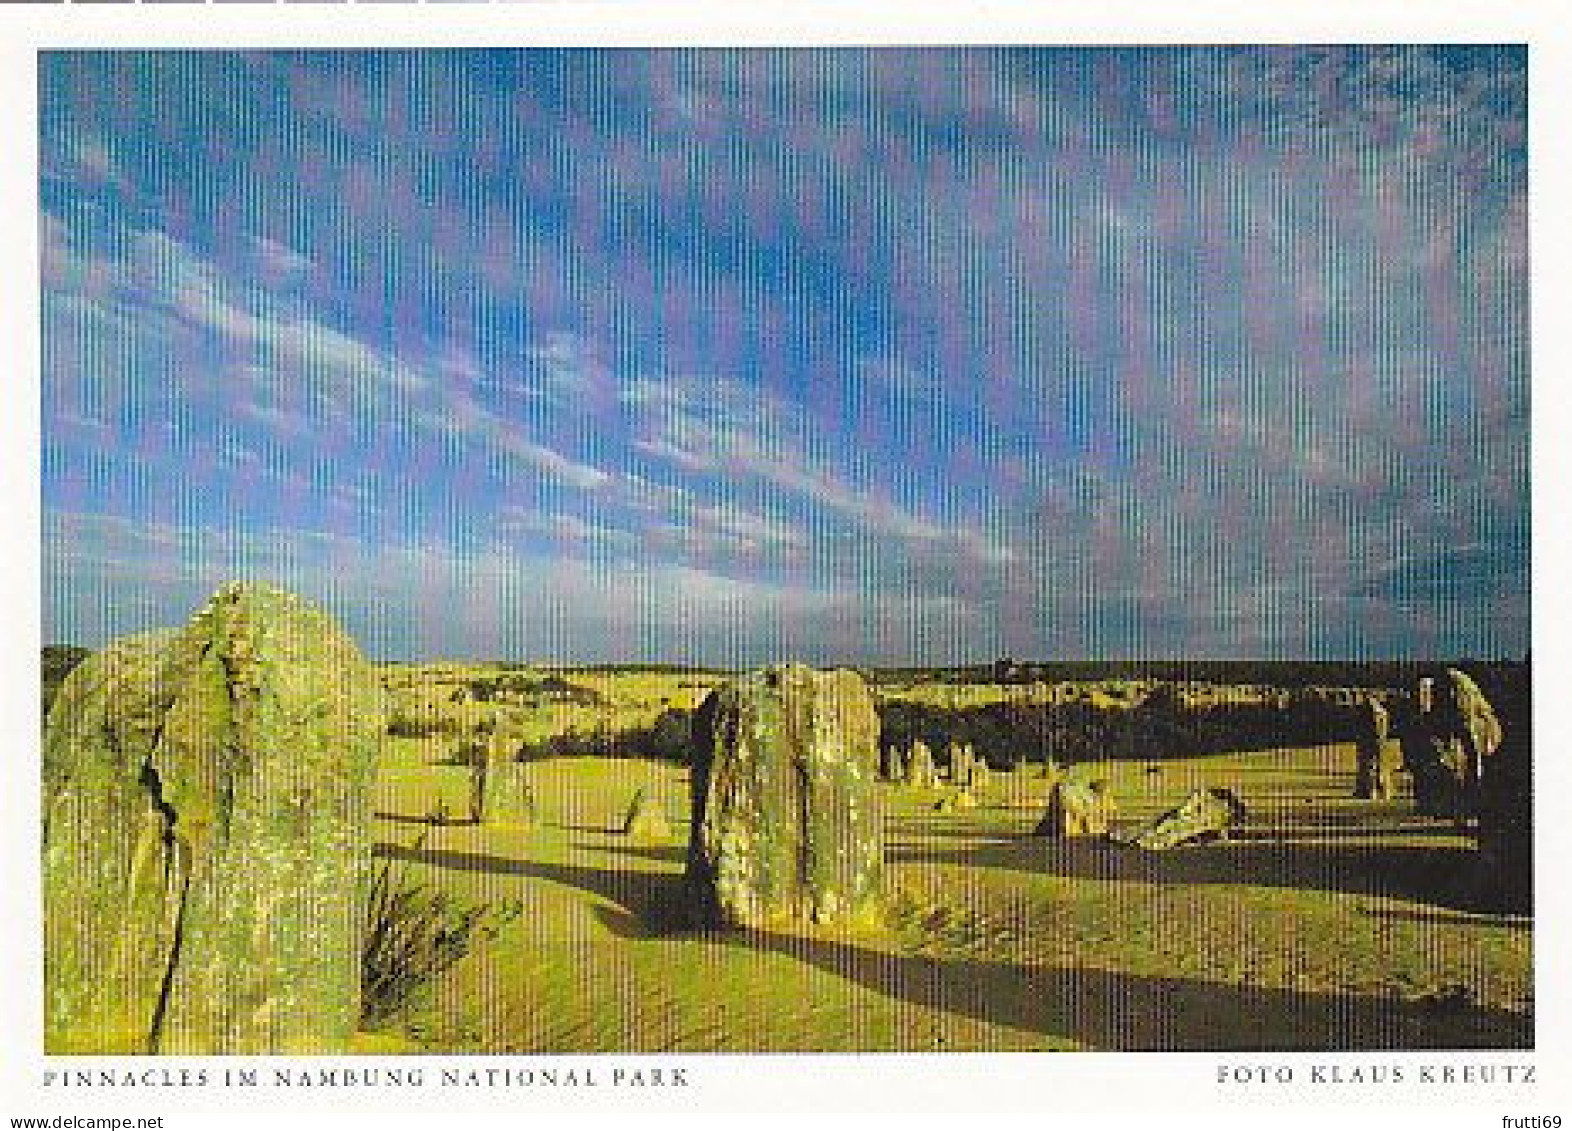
(858, 355)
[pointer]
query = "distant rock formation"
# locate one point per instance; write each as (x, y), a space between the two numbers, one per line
(894, 763)
(786, 820)
(500, 793)
(1377, 761)
(1077, 809)
(960, 758)
(979, 777)
(967, 770)
(206, 848)
(1205, 815)
(920, 770)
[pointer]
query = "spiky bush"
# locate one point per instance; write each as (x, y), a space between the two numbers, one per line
(413, 935)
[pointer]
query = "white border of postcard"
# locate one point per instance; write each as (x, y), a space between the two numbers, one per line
(1437, 1090)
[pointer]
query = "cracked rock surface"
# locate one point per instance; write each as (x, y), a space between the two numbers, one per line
(206, 840)
(786, 819)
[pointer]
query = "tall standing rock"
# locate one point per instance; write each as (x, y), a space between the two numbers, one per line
(206, 851)
(979, 775)
(960, 758)
(786, 819)
(920, 769)
(1376, 765)
(500, 792)
(894, 763)
(1478, 728)
(1449, 737)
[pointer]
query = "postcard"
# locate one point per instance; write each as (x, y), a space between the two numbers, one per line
(567, 553)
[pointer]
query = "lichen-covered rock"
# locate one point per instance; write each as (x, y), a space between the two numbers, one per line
(967, 770)
(1206, 815)
(479, 771)
(206, 821)
(786, 819)
(1450, 735)
(1476, 717)
(1077, 809)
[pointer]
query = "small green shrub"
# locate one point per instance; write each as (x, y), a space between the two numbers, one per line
(413, 935)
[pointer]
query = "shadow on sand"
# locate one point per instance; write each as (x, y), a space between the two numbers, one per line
(1443, 874)
(1090, 1007)
(653, 899)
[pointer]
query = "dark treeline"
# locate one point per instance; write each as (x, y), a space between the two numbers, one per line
(1162, 726)
(1287, 674)
(641, 668)
(1007, 733)
(532, 690)
(666, 738)
(635, 668)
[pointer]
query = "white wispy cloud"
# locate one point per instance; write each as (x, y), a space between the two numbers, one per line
(561, 527)
(304, 374)
(747, 527)
(679, 527)
(278, 263)
(432, 598)
(454, 411)
(81, 157)
(570, 372)
(199, 291)
(726, 428)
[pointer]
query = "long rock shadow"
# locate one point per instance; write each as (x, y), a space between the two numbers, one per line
(1097, 1008)
(1428, 873)
(1106, 1009)
(409, 819)
(1458, 918)
(663, 853)
(653, 899)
